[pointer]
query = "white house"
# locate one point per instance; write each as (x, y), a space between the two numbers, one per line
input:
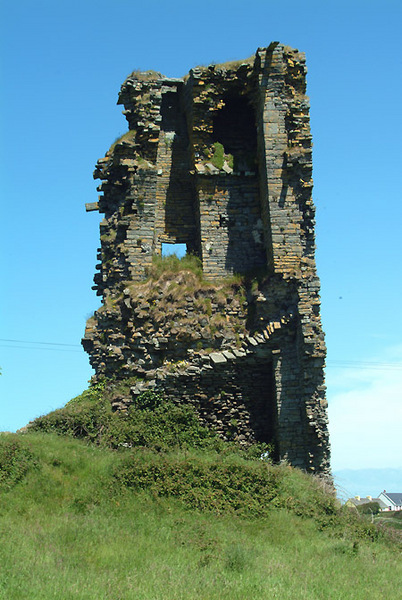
(391, 500)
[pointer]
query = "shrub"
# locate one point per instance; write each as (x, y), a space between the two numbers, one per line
(150, 422)
(159, 425)
(231, 485)
(369, 508)
(85, 416)
(16, 460)
(148, 400)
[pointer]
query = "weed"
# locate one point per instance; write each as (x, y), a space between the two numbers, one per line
(128, 136)
(230, 160)
(173, 265)
(236, 558)
(145, 75)
(218, 156)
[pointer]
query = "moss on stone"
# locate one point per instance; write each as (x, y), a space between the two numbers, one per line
(218, 157)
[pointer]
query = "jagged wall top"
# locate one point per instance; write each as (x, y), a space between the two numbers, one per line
(187, 139)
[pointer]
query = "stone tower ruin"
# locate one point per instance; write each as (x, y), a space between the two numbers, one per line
(220, 161)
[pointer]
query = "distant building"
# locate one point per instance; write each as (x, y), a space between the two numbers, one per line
(358, 501)
(392, 501)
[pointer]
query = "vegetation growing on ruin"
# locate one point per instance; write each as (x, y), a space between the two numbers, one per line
(230, 65)
(144, 75)
(176, 291)
(128, 136)
(183, 277)
(217, 156)
(235, 64)
(206, 314)
(173, 264)
(150, 422)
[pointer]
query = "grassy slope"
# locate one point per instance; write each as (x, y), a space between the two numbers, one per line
(71, 528)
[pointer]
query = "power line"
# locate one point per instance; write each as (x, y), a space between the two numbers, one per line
(334, 364)
(45, 345)
(48, 349)
(36, 342)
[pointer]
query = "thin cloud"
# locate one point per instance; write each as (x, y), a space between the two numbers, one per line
(365, 415)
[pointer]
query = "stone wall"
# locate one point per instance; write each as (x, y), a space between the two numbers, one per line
(220, 161)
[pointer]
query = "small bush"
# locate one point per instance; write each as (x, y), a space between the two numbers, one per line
(16, 460)
(230, 486)
(369, 508)
(86, 416)
(148, 400)
(161, 427)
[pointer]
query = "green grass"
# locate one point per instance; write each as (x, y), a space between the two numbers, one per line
(391, 520)
(218, 157)
(172, 264)
(128, 136)
(180, 515)
(81, 524)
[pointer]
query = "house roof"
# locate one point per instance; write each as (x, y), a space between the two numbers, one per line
(396, 498)
(361, 501)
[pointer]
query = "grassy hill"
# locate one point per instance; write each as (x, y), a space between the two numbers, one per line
(149, 505)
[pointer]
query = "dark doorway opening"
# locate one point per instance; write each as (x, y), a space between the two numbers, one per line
(234, 127)
(256, 384)
(170, 111)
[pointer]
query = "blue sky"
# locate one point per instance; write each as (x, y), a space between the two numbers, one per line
(62, 67)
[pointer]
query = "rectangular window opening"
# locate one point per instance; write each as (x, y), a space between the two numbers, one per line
(174, 249)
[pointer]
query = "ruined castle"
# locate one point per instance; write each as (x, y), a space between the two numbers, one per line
(221, 161)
